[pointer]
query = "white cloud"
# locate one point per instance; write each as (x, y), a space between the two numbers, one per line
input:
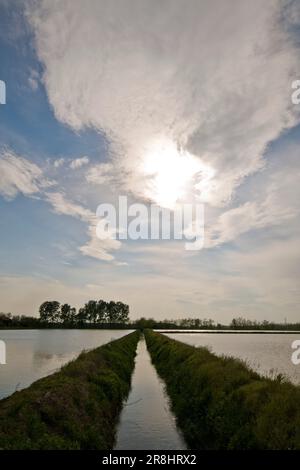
(58, 162)
(100, 174)
(19, 175)
(239, 220)
(275, 202)
(100, 249)
(95, 247)
(33, 79)
(73, 164)
(61, 205)
(79, 162)
(215, 83)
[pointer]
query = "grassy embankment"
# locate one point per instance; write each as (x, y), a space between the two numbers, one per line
(221, 404)
(75, 408)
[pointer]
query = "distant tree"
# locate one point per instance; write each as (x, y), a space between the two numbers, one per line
(207, 323)
(94, 312)
(81, 316)
(143, 323)
(265, 325)
(241, 323)
(123, 313)
(49, 311)
(112, 312)
(73, 315)
(26, 322)
(101, 311)
(65, 313)
(5, 319)
(91, 311)
(185, 323)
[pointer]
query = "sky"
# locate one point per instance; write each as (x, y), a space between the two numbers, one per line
(166, 102)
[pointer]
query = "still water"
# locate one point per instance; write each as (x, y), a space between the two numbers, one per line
(32, 354)
(269, 354)
(146, 420)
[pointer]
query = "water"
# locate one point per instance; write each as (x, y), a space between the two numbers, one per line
(32, 354)
(269, 354)
(146, 420)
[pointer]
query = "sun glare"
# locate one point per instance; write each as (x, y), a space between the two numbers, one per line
(173, 174)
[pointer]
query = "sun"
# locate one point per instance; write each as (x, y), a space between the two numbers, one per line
(172, 174)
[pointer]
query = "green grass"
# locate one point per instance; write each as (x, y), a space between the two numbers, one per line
(220, 403)
(75, 408)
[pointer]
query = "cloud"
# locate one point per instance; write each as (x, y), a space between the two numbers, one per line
(61, 205)
(95, 247)
(100, 174)
(73, 164)
(79, 162)
(271, 273)
(214, 83)
(237, 221)
(58, 162)
(275, 202)
(292, 13)
(100, 249)
(19, 175)
(33, 80)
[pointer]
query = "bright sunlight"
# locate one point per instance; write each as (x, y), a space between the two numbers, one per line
(173, 173)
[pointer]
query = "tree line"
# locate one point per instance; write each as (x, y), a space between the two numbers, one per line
(101, 314)
(238, 323)
(241, 323)
(94, 312)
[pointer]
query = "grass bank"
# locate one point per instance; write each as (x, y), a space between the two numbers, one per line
(75, 408)
(219, 403)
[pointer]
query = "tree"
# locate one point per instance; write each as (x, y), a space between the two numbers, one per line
(241, 323)
(49, 311)
(73, 315)
(123, 313)
(112, 312)
(81, 317)
(65, 313)
(91, 311)
(101, 311)
(5, 319)
(144, 323)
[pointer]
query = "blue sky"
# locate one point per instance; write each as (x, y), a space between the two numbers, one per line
(97, 94)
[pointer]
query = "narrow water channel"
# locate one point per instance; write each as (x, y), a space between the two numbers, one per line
(146, 420)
